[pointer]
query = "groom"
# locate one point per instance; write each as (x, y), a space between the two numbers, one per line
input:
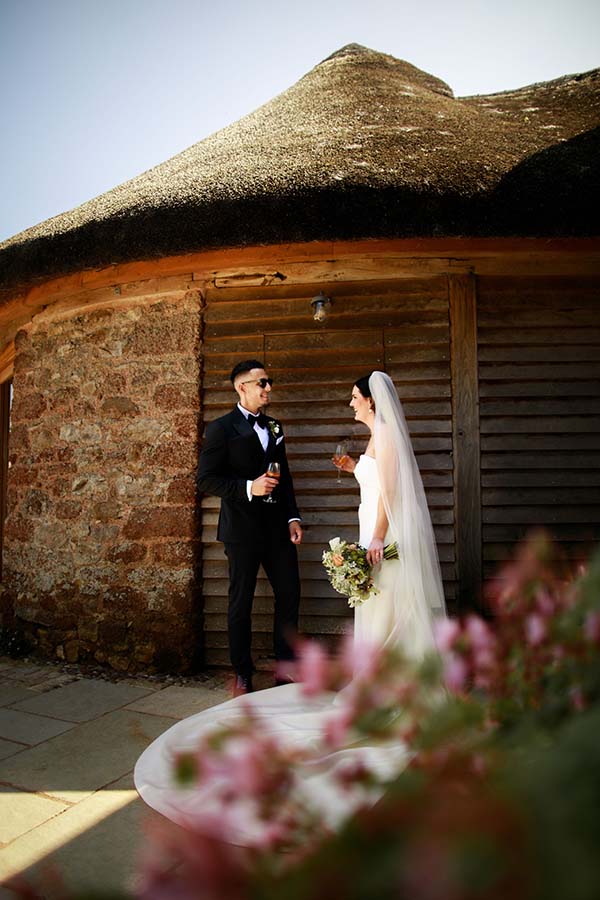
(233, 463)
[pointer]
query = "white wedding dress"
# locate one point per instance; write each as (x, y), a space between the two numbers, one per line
(374, 620)
(409, 590)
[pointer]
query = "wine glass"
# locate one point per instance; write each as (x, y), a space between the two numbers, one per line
(340, 457)
(274, 470)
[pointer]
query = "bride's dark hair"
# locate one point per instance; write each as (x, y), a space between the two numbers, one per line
(363, 385)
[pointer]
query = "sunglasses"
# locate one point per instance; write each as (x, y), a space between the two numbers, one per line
(263, 382)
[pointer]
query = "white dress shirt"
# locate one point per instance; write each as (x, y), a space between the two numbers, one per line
(263, 437)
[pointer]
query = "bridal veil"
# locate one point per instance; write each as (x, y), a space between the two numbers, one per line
(417, 592)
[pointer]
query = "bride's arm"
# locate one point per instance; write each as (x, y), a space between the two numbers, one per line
(375, 551)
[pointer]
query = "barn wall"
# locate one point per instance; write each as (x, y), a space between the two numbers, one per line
(539, 386)
(401, 326)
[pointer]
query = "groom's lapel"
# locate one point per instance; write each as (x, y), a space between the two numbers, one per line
(243, 427)
(271, 445)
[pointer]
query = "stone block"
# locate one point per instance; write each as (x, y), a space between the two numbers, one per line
(72, 651)
(177, 396)
(169, 521)
(175, 553)
(127, 552)
(182, 489)
(174, 454)
(106, 510)
(119, 407)
(88, 631)
(28, 407)
(67, 509)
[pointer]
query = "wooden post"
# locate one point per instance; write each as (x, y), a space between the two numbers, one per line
(5, 392)
(465, 438)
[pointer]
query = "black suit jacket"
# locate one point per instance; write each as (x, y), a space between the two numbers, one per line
(232, 455)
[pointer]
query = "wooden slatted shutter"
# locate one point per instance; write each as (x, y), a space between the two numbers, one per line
(539, 383)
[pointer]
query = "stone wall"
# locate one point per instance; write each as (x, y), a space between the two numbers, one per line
(101, 535)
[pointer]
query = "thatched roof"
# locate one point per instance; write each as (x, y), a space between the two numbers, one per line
(365, 145)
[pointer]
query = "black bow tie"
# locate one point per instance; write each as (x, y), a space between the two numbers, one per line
(259, 418)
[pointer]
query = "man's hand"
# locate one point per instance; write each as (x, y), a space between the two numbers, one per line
(295, 532)
(263, 485)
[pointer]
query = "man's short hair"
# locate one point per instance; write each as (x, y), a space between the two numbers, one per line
(246, 366)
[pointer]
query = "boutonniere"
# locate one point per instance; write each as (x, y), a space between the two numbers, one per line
(274, 427)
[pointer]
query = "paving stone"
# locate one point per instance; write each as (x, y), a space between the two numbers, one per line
(10, 692)
(93, 844)
(83, 700)
(25, 728)
(177, 702)
(8, 748)
(20, 812)
(89, 757)
(23, 671)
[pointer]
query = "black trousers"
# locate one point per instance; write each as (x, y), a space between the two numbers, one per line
(279, 559)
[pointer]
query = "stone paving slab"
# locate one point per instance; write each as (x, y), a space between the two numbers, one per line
(25, 728)
(9, 748)
(22, 811)
(83, 700)
(88, 757)
(11, 692)
(93, 844)
(178, 702)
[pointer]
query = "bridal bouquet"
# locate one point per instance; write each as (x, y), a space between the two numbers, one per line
(348, 569)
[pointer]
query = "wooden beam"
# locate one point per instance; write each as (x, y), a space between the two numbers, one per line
(5, 394)
(7, 362)
(465, 434)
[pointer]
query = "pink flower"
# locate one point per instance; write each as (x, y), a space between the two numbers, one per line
(479, 633)
(545, 603)
(455, 672)
(313, 668)
(577, 699)
(446, 633)
(591, 627)
(337, 727)
(535, 629)
(362, 658)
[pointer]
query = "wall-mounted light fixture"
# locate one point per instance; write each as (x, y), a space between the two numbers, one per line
(320, 306)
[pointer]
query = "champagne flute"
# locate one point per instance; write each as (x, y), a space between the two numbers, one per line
(274, 470)
(340, 457)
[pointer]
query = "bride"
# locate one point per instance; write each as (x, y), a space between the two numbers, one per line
(409, 593)
(393, 508)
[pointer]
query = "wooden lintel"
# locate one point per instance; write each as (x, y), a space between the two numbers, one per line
(7, 361)
(319, 261)
(465, 437)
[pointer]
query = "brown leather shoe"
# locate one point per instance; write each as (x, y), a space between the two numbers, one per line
(242, 685)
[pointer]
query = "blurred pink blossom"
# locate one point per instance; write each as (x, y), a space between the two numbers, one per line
(361, 659)
(577, 699)
(313, 668)
(591, 626)
(545, 603)
(446, 633)
(455, 672)
(479, 633)
(337, 727)
(535, 629)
